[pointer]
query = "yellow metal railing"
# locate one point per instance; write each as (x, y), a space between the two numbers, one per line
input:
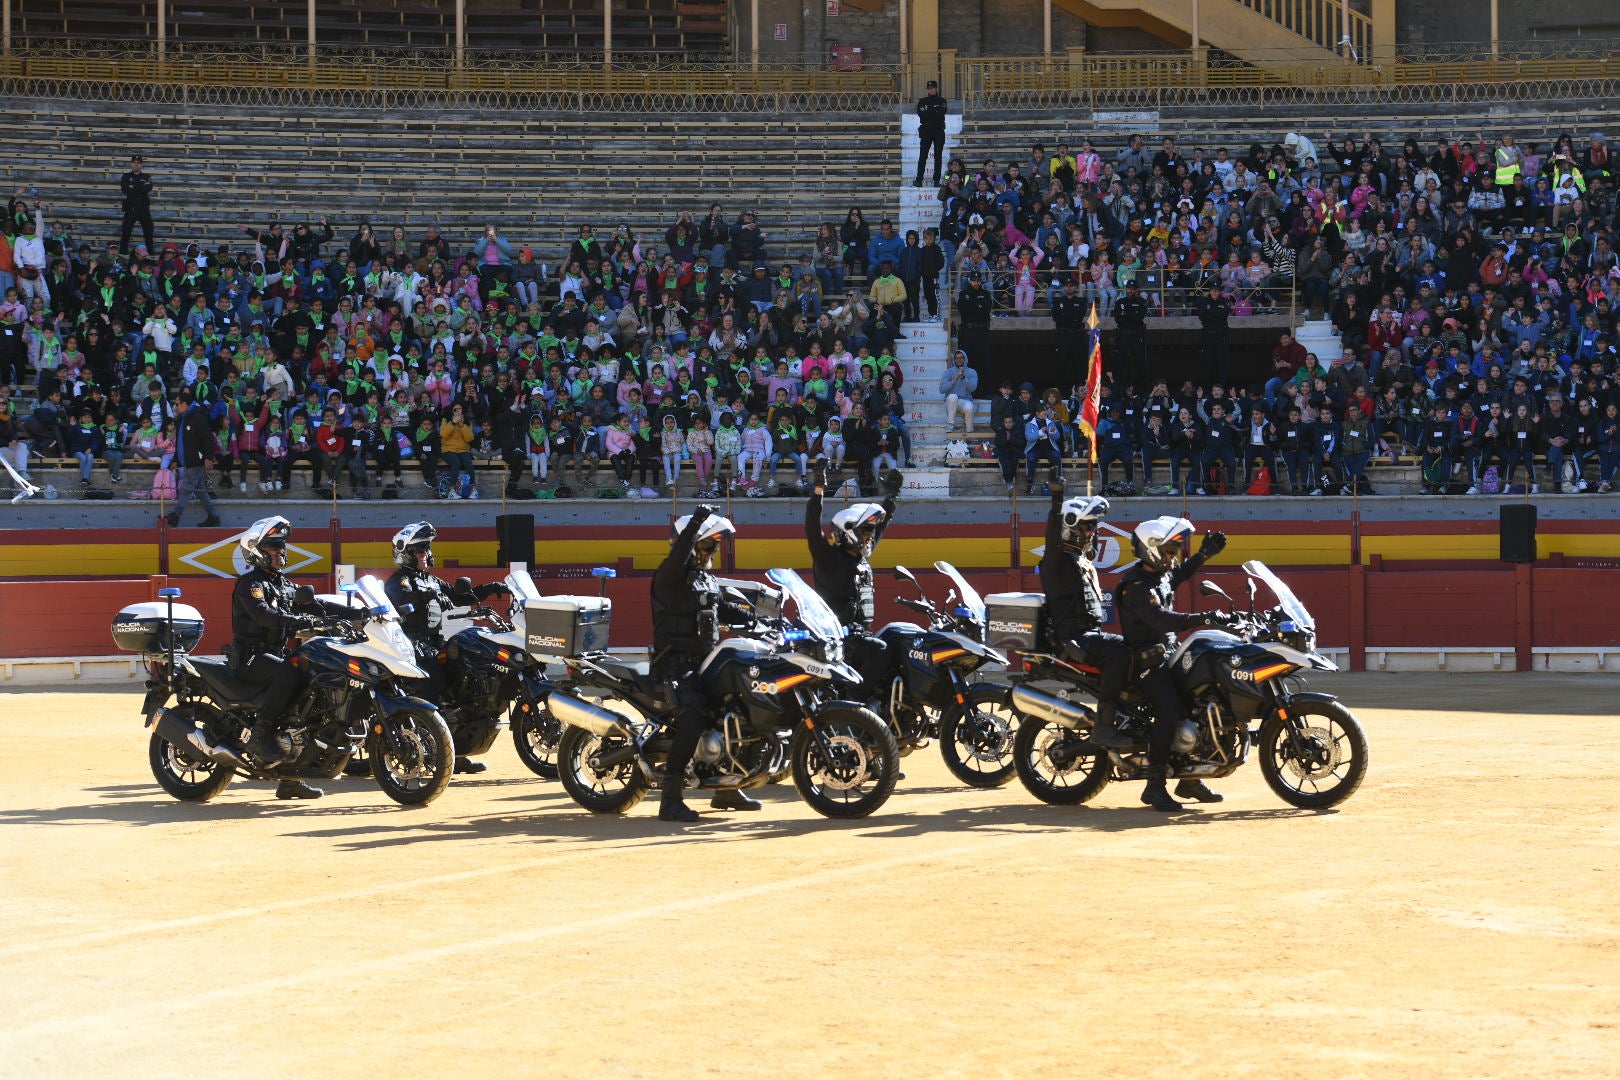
(1326, 22)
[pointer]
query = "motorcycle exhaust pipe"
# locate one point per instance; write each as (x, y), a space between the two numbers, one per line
(582, 714)
(1046, 707)
(184, 733)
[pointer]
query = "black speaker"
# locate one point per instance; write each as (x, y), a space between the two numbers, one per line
(1518, 533)
(515, 535)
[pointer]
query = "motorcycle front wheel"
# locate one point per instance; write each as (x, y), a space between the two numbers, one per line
(412, 756)
(185, 774)
(1316, 758)
(613, 789)
(976, 737)
(535, 736)
(848, 765)
(1056, 765)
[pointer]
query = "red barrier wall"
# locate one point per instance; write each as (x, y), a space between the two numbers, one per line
(1516, 607)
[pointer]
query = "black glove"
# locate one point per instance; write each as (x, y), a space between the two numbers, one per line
(893, 481)
(818, 478)
(705, 511)
(299, 623)
(1214, 543)
(499, 589)
(1054, 481)
(1223, 619)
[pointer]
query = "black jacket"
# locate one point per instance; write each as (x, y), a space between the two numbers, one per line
(194, 439)
(1131, 311)
(264, 615)
(137, 190)
(1213, 313)
(687, 608)
(973, 308)
(1074, 600)
(1146, 598)
(421, 600)
(931, 113)
(1069, 312)
(843, 579)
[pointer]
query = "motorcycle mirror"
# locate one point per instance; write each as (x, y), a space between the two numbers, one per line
(1209, 588)
(1252, 590)
(304, 594)
(902, 574)
(463, 587)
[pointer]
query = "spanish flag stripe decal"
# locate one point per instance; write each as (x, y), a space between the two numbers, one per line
(1267, 672)
(947, 654)
(790, 682)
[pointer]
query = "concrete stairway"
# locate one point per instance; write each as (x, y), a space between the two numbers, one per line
(1231, 25)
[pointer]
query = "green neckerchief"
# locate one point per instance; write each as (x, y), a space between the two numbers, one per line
(108, 296)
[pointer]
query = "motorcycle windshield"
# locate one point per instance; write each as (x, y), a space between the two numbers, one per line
(1285, 596)
(970, 596)
(814, 614)
(376, 597)
(522, 585)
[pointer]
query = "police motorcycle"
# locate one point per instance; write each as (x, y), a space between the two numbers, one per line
(352, 703)
(1313, 751)
(930, 695)
(775, 705)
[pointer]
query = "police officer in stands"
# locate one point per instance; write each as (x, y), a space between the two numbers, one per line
(421, 600)
(1069, 320)
(264, 614)
(973, 306)
(1147, 616)
(1214, 314)
(1074, 601)
(688, 612)
(1130, 333)
(843, 576)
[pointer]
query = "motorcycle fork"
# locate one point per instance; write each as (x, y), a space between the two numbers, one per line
(806, 707)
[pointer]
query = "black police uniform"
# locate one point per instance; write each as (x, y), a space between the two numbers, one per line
(1213, 315)
(688, 612)
(1130, 335)
(421, 600)
(264, 615)
(973, 335)
(1075, 615)
(1149, 624)
(136, 188)
(1069, 317)
(844, 580)
(930, 133)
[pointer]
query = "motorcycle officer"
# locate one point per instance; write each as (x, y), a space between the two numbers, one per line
(688, 612)
(1074, 599)
(264, 614)
(422, 600)
(843, 576)
(1149, 624)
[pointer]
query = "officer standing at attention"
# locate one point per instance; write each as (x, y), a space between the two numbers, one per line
(930, 132)
(1150, 622)
(1214, 311)
(421, 600)
(263, 616)
(1130, 333)
(688, 612)
(137, 190)
(1074, 600)
(973, 314)
(843, 576)
(1069, 319)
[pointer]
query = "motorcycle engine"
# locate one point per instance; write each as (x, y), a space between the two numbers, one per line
(711, 748)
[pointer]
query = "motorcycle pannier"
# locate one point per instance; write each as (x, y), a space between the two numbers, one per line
(567, 625)
(1016, 621)
(144, 628)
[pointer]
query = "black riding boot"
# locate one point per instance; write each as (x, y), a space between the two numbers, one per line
(266, 744)
(1197, 791)
(1105, 732)
(1155, 795)
(297, 789)
(733, 799)
(671, 807)
(468, 765)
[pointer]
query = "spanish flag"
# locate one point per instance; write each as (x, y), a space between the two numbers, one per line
(1089, 407)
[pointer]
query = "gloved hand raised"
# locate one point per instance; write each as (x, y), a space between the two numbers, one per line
(1214, 543)
(818, 476)
(705, 511)
(500, 588)
(892, 481)
(1054, 481)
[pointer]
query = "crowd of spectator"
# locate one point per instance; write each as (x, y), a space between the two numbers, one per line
(1471, 284)
(392, 352)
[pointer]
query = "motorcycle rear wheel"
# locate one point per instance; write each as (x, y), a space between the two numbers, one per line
(614, 791)
(1329, 766)
(864, 765)
(184, 774)
(418, 770)
(1069, 783)
(536, 735)
(976, 739)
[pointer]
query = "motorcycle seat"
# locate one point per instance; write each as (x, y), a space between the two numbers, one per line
(636, 675)
(231, 690)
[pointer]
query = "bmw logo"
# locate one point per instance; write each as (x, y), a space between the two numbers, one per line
(753, 673)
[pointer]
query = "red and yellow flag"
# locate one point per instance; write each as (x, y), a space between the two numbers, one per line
(1089, 407)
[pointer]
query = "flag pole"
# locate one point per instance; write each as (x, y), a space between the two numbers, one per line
(1090, 406)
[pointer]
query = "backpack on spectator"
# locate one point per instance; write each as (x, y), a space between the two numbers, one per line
(956, 451)
(1568, 475)
(164, 485)
(1491, 482)
(1261, 485)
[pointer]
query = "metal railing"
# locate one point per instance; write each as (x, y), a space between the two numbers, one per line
(1167, 296)
(1332, 24)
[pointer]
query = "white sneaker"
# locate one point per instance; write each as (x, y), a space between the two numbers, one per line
(280, 486)
(473, 494)
(1581, 485)
(243, 486)
(1474, 490)
(1200, 491)
(1314, 491)
(453, 496)
(1535, 489)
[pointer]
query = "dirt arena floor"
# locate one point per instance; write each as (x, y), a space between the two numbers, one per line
(1457, 918)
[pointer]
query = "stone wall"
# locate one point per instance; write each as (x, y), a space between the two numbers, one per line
(1442, 21)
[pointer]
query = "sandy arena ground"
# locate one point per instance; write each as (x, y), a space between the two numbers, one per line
(1457, 918)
